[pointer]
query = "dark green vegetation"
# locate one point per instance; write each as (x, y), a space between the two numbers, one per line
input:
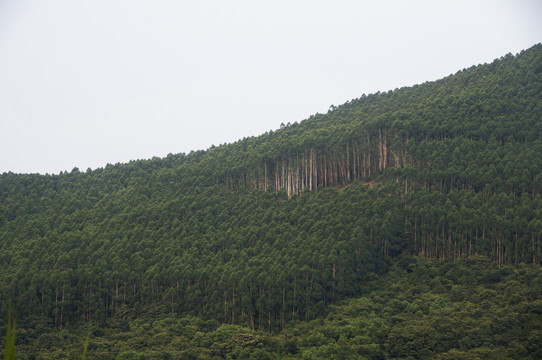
(246, 246)
(423, 308)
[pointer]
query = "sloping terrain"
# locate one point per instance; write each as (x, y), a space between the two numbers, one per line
(273, 229)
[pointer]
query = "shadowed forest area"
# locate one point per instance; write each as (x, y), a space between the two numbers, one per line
(403, 224)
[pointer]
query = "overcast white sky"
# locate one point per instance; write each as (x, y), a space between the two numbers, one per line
(86, 83)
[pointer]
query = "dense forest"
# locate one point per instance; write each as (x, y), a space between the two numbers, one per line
(304, 242)
(421, 308)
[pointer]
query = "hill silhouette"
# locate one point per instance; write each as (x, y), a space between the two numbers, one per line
(271, 230)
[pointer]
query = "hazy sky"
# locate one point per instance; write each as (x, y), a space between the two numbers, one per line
(86, 83)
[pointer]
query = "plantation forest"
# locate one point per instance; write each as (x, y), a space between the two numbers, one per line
(399, 225)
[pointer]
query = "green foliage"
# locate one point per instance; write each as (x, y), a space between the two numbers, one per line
(9, 351)
(498, 315)
(269, 231)
(85, 348)
(402, 318)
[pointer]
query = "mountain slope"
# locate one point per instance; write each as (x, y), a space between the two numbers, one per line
(422, 309)
(272, 229)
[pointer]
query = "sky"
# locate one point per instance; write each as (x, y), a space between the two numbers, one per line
(88, 83)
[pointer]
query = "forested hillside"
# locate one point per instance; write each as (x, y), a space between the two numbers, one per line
(273, 229)
(420, 309)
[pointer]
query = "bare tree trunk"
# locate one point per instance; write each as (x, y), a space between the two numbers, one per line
(265, 176)
(385, 149)
(311, 170)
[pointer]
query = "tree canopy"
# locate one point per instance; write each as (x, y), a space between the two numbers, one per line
(272, 230)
